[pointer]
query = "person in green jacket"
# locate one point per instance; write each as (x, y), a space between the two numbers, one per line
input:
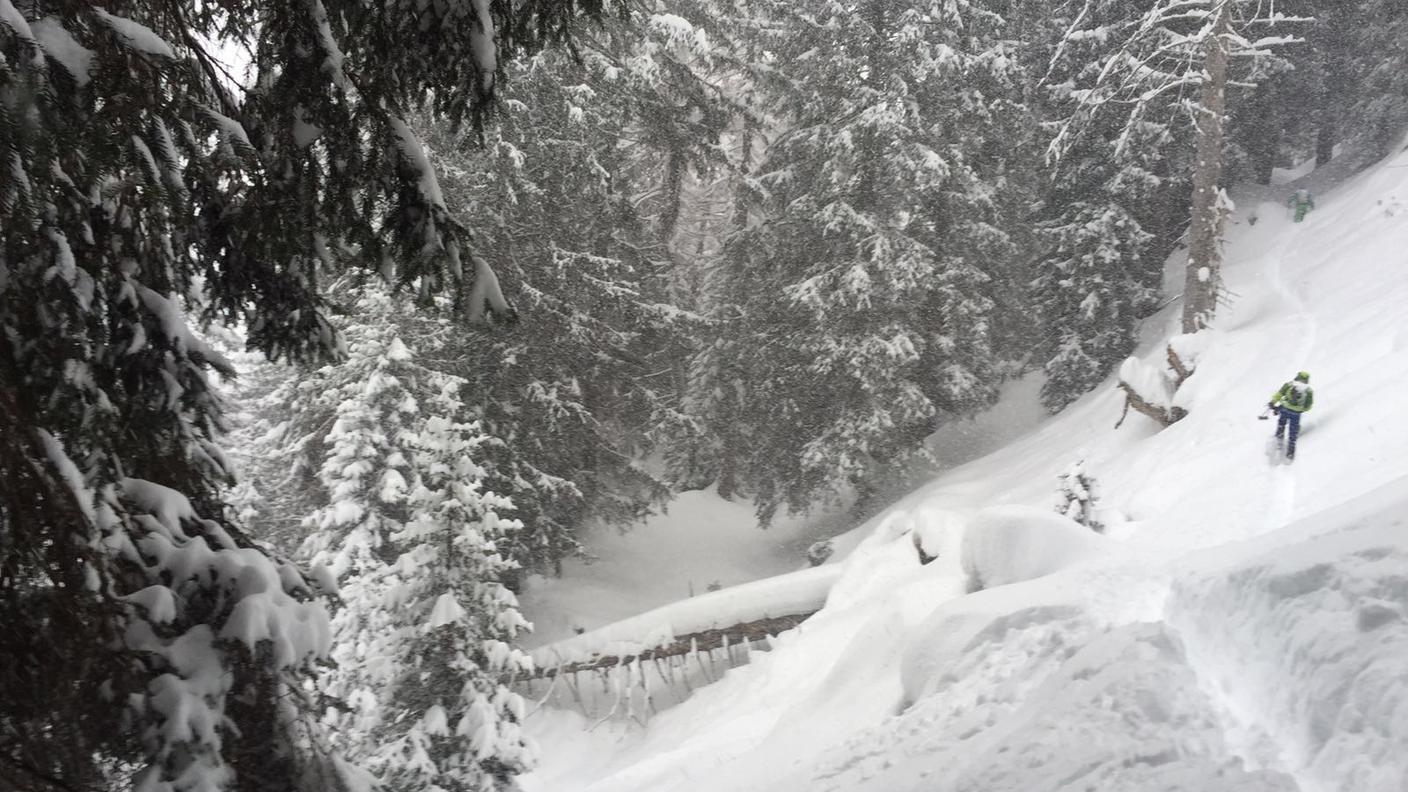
(1290, 402)
(1302, 202)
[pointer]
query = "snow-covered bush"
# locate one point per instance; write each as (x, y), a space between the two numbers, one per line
(1078, 497)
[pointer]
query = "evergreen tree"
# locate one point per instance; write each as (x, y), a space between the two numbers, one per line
(585, 389)
(454, 725)
(411, 534)
(1340, 81)
(131, 177)
(1110, 213)
(863, 290)
(1171, 50)
(1093, 288)
(1378, 62)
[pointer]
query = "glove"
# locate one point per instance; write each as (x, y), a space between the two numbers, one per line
(1271, 405)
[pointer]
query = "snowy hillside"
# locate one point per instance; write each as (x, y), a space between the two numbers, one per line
(1242, 625)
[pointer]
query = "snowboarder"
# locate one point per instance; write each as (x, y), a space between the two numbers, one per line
(1302, 202)
(1290, 402)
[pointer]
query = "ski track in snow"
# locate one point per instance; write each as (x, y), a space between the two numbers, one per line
(1303, 326)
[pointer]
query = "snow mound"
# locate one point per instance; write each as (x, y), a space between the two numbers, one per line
(1010, 544)
(1190, 346)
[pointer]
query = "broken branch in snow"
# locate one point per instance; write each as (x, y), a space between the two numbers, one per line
(1180, 371)
(1148, 391)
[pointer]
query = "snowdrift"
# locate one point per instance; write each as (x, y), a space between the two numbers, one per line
(1016, 543)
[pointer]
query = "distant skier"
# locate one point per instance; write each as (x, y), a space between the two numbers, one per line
(1290, 402)
(1302, 202)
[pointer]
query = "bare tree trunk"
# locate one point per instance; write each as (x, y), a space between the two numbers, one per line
(1326, 137)
(1205, 254)
(729, 481)
(1264, 140)
(673, 186)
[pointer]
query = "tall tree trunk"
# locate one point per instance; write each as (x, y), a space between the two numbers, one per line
(732, 446)
(683, 293)
(1264, 136)
(1326, 138)
(674, 185)
(1203, 281)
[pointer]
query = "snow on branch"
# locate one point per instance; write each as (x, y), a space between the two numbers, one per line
(11, 17)
(1154, 59)
(195, 567)
(136, 35)
(173, 326)
(413, 153)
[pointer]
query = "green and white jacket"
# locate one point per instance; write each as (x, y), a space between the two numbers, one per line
(1294, 396)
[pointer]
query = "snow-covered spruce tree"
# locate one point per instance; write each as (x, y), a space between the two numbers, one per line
(147, 640)
(1112, 206)
(581, 392)
(1342, 83)
(1180, 48)
(361, 415)
(276, 479)
(864, 282)
(716, 204)
(450, 723)
(1092, 289)
(410, 533)
(1378, 31)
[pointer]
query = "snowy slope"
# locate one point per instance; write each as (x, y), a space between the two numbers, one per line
(1243, 625)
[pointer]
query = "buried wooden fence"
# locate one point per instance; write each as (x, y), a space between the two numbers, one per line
(631, 691)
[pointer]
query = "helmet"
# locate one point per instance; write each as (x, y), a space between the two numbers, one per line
(1303, 376)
